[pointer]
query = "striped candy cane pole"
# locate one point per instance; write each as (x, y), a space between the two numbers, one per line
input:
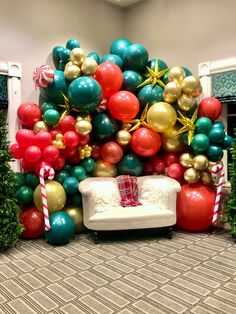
(215, 169)
(49, 172)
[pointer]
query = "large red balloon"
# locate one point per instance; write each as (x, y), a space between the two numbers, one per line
(43, 139)
(33, 221)
(32, 154)
(17, 151)
(109, 76)
(51, 153)
(67, 123)
(195, 204)
(111, 152)
(210, 107)
(71, 139)
(28, 166)
(145, 142)
(25, 138)
(28, 114)
(123, 106)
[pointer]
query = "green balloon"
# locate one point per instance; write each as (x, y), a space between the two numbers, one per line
(88, 164)
(65, 55)
(24, 194)
(95, 56)
(85, 93)
(76, 199)
(61, 66)
(187, 72)
(19, 180)
(104, 126)
(112, 58)
(68, 168)
(51, 117)
(203, 125)
(135, 57)
(72, 43)
(130, 164)
(228, 141)
(70, 185)
(48, 105)
(56, 52)
(218, 124)
(31, 180)
(161, 64)
(131, 80)
(119, 46)
(78, 172)
(165, 78)
(214, 153)
(200, 142)
(150, 95)
(216, 135)
(184, 138)
(61, 176)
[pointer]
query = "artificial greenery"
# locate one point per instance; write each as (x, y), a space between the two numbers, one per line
(10, 227)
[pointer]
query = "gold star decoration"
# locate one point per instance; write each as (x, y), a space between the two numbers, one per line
(154, 76)
(66, 106)
(188, 125)
(134, 124)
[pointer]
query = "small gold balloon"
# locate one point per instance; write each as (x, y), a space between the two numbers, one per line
(77, 56)
(56, 196)
(40, 126)
(76, 213)
(168, 98)
(84, 116)
(190, 84)
(85, 151)
(186, 102)
(176, 74)
(71, 72)
(83, 127)
(170, 142)
(186, 160)
(123, 137)
(191, 175)
(172, 90)
(104, 169)
(126, 126)
(206, 178)
(200, 162)
(89, 66)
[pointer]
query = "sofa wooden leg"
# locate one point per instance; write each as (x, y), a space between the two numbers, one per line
(95, 237)
(170, 234)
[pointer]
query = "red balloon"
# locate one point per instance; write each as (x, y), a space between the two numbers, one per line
(28, 166)
(69, 151)
(25, 138)
(28, 114)
(96, 151)
(111, 152)
(54, 133)
(123, 106)
(32, 154)
(59, 163)
(17, 151)
(33, 221)
(84, 139)
(51, 153)
(195, 204)
(67, 123)
(75, 159)
(70, 139)
(43, 139)
(41, 164)
(148, 169)
(158, 166)
(175, 171)
(145, 142)
(210, 107)
(170, 158)
(109, 76)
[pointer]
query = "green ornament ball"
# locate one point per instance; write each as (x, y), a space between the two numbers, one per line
(135, 57)
(200, 142)
(51, 117)
(48, 105)
(19, 180)
(68, 168)
(24, 194)
(31, 180)
(203, 125)
(165, 78)
(187, 72)
(150, 95)
(76, 199)
(104, 126)
(65, 55)
(161, 64)
(70, 185)
(227, 143)
(130, 164)
(61, 176)
(214, 153)
(112, 58)
(56, 52)
(78, 172)
(119, 46)
(184, 138)
(95, 56)
(131, 80)
(216, 135)
(72, 43)
(218, 124)
(88, 164)
(61, 66)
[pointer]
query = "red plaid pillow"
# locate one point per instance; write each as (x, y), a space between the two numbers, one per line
(128, 189)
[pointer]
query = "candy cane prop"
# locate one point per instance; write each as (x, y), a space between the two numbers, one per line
(215, 169)
(49, 172)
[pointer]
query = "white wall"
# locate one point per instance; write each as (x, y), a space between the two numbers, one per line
(184, 32)
(29, 29)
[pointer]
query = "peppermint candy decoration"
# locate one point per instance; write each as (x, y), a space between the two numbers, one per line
(43, 76)
(103, 106)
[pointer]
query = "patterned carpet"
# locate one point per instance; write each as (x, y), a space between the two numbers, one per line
(192, 273)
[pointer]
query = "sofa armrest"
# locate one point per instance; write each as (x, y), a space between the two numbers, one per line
(83, 187)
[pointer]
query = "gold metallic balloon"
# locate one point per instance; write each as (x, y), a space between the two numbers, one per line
(84, 116)
(186, 160)
(172, 90)
(77, 56)
(56, 196)
(104, 169)
(71, 72)
(200, 162)
(206, 178)
(170, 142)
(190, 84)
(89, 66)
(126, 126)
(123, 137)
(40, 126)
(191, 175)
(161, 117)
(83, 127)
(76, 213)
(176, 74)
(168, 98)
(186, 102)
(85, 151)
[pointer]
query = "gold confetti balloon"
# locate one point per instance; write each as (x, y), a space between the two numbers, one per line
(200, 162)
(83, 127)
(104, 169)
(89, 66)
(206, 178)
(186, 160)
(123, 137)
(172, 90)
(190, 85)
(76, 213)
(191, 175)
(40, 126)
(176, 74)
(71, 72)
(186, 102)
(77, 56)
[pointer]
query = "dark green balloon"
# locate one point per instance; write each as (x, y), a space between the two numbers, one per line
(203, 125)
(112, 58)
(24, 194)
(85, 93)
(65, 55)
(72, 43)
(31, 180)
(228, 141)
(76, 199)
(51, 117)
(95, 56)
(200, 142)
(68, 168)
(214, 153)
(88, 164)
(48, 105)
(187, 72)
(61, 176)
(56, 52)
(104, 126)
(216, 135)
(78, 172)
(130, 164)
(119, 46)
(131, 80)
(184, 138)
(161, 64)
(61, 66)
(19, 180)
(165, 78)
(149, 95)
(135, 57)
(218, 124)
(70, 185)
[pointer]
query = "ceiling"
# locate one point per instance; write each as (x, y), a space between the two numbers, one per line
(123, 3)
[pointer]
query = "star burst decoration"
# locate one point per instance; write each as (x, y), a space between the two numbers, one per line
(188, 125)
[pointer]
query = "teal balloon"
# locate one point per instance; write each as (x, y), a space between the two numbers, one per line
(56, 52)
(65, 55)
(149, 95)
(48, 105)
(62, 228)
(130, 164)
(53, 92)
(165, 78)
(70, 185)
(200, 142)
(88, 164)
(51, 117)
(227, 143)
(78, 172)
(19, 180)
(31, 180)
(112, 58)
(95, 56)
(218, 124)
(214, 153)
(203, 125)
(68, 168)
(61, 66)
(72, 43)
(187, 72)
(184, 138)
(61, 176)
(161, 64)
(216, 135)
(131, 80)
(104, 126)
(76, 199)
(135, 57)
(24, 194)
(85, 93)
(119, 46)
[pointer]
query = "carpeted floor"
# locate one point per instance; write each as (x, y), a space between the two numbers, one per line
(192, 273)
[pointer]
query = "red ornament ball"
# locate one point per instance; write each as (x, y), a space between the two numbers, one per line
(28, 166)
(158, 166)
(148, 169)
(175, 171)
(71, 139)
(145, 142)
(51, 153)
(17, 151)
(170, 158)
(59, 163)
(32, 154)
(33, 221)
(25, 138)
(210, 107)
(28, 114)
(43, 139)
(111, 152)
(67, 123)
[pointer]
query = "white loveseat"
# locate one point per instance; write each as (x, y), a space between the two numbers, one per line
(102, 210)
